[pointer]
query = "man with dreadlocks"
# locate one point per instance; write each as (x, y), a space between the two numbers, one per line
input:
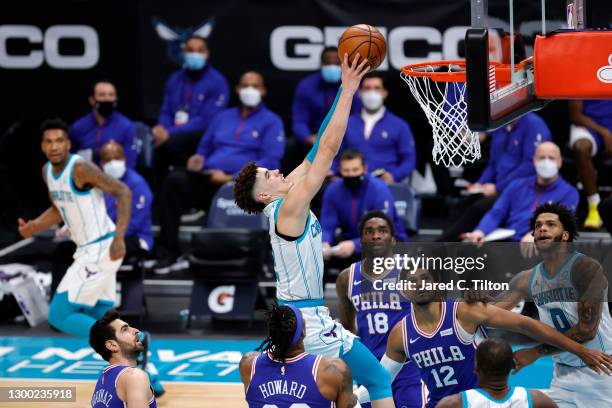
(295, 234)
(284, 375)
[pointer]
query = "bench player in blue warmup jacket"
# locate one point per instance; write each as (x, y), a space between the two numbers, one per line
(371, 313)
(284, 375)
(295, 235)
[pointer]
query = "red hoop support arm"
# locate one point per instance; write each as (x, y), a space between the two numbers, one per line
(573, 65)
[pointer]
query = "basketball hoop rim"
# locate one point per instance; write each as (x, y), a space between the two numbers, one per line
(502, 70)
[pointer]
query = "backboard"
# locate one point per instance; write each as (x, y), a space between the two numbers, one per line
(506, 35)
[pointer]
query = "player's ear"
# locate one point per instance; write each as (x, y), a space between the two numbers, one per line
(565, 236)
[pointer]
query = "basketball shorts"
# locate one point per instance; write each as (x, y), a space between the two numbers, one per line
(325, 336)
(580, 132)
(577, 387)
(92, 275)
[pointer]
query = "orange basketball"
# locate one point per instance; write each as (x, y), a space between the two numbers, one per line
(365, 40)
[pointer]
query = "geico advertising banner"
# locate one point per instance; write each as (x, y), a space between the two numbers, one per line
(49, 56)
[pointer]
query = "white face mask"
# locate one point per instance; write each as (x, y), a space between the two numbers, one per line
(250, 96)
(372, 100)
(546, 168)
(115, 168)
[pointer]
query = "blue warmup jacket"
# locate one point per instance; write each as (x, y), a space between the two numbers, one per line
(231, 141)
(342, 208)
(313, 99)
(203, 98)
(515, 206)
(142, 199)
(85, 133)
(390, 146)
(511, 153)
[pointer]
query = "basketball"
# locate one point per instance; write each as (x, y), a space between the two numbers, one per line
(365, 40)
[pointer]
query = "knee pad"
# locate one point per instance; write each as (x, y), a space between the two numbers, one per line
(368, 371)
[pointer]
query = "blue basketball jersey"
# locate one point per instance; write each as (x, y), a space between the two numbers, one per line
(445, 358)
(377, 312)
(105, 393)
(285, 385)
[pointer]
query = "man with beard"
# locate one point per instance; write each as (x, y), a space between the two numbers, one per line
(570, 291)
(370, 313)
(438, 336)
(121, 384)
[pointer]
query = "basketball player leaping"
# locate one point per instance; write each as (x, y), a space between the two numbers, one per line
(295, 235)
(570, 291)
(286, 376)
(121, 384)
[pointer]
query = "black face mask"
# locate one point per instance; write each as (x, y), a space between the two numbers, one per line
(353, 182)
(105, 108)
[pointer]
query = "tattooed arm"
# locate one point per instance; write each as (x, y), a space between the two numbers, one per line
(589, 280)
(87, 174)
(335, 382)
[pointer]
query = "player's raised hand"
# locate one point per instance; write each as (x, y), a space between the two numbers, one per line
(26, 229)
(597, 361)
(352, 74)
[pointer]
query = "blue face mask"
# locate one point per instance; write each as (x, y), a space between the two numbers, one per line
(331, 73)
(194, 61)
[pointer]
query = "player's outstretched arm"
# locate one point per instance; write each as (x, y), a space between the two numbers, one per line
(480, 313)
(294, 210)
(50, 217)
(88, 174)
(136, 388)
(335, 382)
(541, 400)
(452, 401)
(519, 290)
(346, 308)
(245, 366)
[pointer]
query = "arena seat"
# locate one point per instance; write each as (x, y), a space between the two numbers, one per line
(230, 254)
(407, 206)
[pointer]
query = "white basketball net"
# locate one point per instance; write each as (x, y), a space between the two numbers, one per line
(445, 106)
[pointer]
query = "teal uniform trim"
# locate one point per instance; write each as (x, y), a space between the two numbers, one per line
(300, 304)
(487, 396)
(464, 399)
(74, 188)
(529, 400)
(100, 239)
(315, 147)
(301, 238)
(63, 168)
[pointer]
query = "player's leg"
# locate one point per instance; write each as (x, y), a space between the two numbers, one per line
(585, 146)
(68, 317)
(368, 371)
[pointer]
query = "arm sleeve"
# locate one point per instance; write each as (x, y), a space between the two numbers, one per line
(215, 102)
(329, 216)
(393, 367)
(129, 146)
(166, 112)
(273, 145)
(538, 132)
(301, 114)
(407, 154)
(315, 147)
(498, 214)
(205, 146)
(488, 175)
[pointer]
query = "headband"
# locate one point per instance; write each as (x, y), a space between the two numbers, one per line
(300, 325)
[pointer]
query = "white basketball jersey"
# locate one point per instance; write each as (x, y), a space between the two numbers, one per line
(517, 397)
(84, 212)
(298, 264)
(556, 297)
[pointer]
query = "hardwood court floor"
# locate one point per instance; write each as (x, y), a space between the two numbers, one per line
(178, 395)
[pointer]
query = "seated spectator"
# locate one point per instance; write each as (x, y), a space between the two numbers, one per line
(384, 139)
(248, 132)
(345, 201)
(139, 234)
(193, 96)
(315, 95)
(521, 197)
(103, 124)
(590, 135)
(510, 158)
